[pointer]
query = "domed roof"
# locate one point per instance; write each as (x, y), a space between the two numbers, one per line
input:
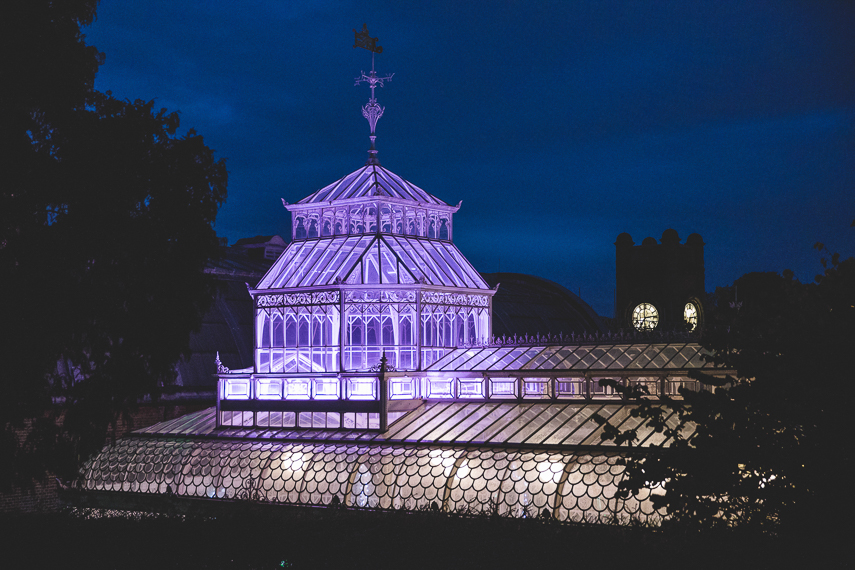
(372, 180)
(525, 304)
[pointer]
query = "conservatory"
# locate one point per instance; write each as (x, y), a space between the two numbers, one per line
(375, 382)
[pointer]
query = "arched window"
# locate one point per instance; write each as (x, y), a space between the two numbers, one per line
(278, 331)
(264, 340)
(313, 229)
(443, 229)
(300, 230)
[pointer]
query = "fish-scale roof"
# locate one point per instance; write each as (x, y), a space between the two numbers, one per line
(372, 180)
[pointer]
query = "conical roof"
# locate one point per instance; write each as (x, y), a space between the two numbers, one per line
(372, 180)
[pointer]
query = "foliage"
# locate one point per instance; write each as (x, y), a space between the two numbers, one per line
(106, 219)
(770, 448)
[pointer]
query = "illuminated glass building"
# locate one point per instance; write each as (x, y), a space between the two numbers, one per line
(456, 419)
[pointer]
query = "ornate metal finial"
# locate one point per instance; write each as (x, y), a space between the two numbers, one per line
(220, 368)
(372, 111)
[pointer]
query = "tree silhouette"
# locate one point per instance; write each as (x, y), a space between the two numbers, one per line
(770, 445)
(106, 219)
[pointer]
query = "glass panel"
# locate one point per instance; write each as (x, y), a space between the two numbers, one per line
(563, 413)
(435, 260)
(522, 423)
(417, 268)
(271, 278)
(309, 268)
(536, 388)
(402, 388)
(296, 270)
(388, 265)
(570, 387)
(362, 388)
(297, 388)
(466, 269)
(236, 389)
(352, 256)
(471, 388)
(440, 388)
(579, 418)
(428, 426)
(492, 356)
(476, 414)
(585, 429)
(503, 387)
(268, 388)
(488, 435)
(598, 391)
(508, 358)
(524, 358)
(325, 265)
(326, 388)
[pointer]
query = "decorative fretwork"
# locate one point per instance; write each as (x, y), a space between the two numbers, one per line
(380, 296)
(298, 299)
(455, 299)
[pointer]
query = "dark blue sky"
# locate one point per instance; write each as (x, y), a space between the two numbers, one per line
(559, 124)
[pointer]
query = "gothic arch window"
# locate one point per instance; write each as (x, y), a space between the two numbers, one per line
(300, 230)
(443, 229)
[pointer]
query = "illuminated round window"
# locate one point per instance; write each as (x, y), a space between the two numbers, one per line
(690, 316)
(645, 317)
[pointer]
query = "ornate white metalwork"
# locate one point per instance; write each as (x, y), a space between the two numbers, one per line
(456, 299)
(298, 299)
(220, 368)
(381, 296)
(372, 111)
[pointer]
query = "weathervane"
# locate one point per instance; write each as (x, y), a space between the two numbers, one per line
(372, 111)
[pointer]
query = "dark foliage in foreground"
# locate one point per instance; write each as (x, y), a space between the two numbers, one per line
(334, 538)
(771, 450)
(106, 225)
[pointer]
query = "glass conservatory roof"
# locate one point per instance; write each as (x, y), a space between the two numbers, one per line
(371, 259)
(636, 356)
(372, 180)
(551, 424)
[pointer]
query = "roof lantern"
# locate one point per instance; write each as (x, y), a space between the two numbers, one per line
(371, 277)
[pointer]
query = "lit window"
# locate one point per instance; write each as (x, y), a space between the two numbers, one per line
(645, 317)
(690, 315)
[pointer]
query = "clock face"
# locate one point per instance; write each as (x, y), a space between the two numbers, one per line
(690, 316)
(645, 317)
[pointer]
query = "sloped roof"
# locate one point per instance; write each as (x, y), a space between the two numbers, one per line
(374, 258)
(372, 180)
(547, 424)
(605, 356)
